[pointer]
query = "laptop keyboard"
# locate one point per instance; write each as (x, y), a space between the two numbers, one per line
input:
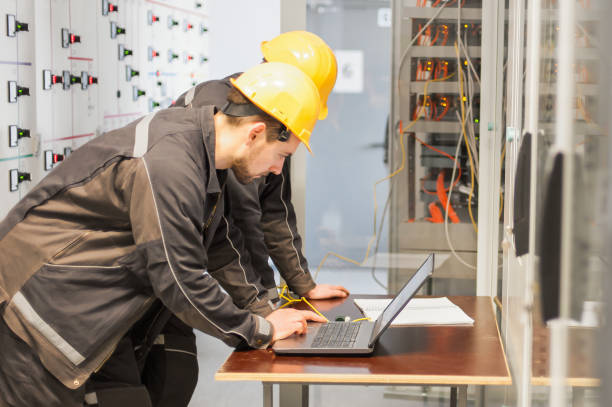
(336, 335)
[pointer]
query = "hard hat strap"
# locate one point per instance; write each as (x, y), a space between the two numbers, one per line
(241, 110)
(249, 109)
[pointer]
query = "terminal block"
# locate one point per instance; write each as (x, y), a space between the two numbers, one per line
(152, 54)
(136, 93)
(115, 30)
(130, 73)
(15, 134)
(15, 91)
(51, 159)
(108, 7)
(16, 177)
(68, 38)
(123, 52)
(50, 79)
(13, 26)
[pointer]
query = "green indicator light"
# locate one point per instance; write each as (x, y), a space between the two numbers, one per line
(21, 177)
(476, 120)
(19, 26)
(21, 133)
(20, 91)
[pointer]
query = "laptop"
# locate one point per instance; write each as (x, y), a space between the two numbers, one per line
(354, 337)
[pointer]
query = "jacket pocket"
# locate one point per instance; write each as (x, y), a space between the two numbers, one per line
(85, 306)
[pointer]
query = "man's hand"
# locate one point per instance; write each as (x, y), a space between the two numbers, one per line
(323, 291)
(287, 321)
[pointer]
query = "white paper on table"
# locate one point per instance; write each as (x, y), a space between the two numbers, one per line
(419, 311)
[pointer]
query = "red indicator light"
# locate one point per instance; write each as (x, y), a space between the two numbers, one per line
(155, 53)
(111, 7)
(90, 80)
(189, 57)
(54, 79)
(189, 26)
(72, 38)
(173, 102)
(157, 73)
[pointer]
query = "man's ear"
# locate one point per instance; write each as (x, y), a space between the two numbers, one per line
(256, 130)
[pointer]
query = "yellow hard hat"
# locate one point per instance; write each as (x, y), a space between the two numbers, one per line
(311, 54)
(285, 93)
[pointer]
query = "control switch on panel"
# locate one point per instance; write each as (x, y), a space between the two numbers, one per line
(16, 177)
(123, 52)
(15, 134)
(153, 104)
(136, 93)
(68, 38)
(172, 56)
(116, 30)
(130, 73)
(49, 79)
(85, 80)
(15, 91)
(108, 7)
(172, 22)
(152, 18)
(51, 159)
(13, 26)
(152, 54)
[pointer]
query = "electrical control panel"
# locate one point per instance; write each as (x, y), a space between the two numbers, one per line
(72, 70)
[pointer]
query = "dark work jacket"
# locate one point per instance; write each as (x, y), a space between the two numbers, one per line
(263, 213)
(130, 217)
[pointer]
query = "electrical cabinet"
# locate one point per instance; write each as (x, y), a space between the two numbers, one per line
(434, 136)
(72, 70)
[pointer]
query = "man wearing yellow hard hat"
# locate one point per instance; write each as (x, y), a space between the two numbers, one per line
(260, 217)
(128, 220)
(260, 223)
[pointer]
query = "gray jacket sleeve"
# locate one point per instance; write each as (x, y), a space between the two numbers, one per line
(167, 214)
(278, 222)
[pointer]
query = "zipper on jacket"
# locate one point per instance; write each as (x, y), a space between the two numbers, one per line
(212, 214)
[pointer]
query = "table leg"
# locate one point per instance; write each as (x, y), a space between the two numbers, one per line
(458, 396)
(293, 395)
(268, 399)
(462, 397)
(578, 396)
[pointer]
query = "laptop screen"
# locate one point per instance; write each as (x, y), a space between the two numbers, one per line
(402, 298)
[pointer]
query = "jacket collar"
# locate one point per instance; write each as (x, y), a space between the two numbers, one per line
(207, 124)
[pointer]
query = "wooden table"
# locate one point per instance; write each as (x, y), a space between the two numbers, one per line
(454, 356)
